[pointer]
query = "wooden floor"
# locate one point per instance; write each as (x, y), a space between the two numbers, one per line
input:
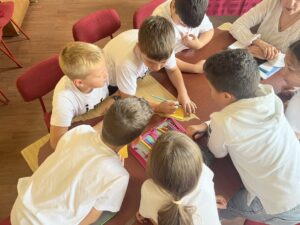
(49, 24)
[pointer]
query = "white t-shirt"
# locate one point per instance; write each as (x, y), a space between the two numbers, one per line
(292, 112)
(81, 174)
(202, 198)
(164, 11)
(124, 65)
(267, 14)
(263, 148)
(69, 102)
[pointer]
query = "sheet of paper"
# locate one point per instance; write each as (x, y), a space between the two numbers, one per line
(123, 152)
(237, 45)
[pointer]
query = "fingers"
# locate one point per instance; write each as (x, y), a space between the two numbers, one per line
(221, 202)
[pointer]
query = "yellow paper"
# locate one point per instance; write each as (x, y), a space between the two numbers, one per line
(179, 115)
(123, 152)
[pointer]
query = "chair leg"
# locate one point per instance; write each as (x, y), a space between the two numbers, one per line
(20, 29)
(6, 100)
(9, 54)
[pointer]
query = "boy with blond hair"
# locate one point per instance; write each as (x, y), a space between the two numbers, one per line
(82, 88)
(84, 176)
(133, 53)
(193, 29)
(252, 129)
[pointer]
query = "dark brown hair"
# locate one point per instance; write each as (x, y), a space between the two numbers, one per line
(125, 120)
(157, 38)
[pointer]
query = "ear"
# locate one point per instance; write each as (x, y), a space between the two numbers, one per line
(229, 97)
(78, 83)
(137, 140)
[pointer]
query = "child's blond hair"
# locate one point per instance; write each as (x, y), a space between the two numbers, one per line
(157, 38)
(77, 59)
(175, 165)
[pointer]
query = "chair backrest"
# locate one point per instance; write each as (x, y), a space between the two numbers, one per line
(6, 12)
(96, 26)
(6, 221)
(144, 11)
(39, 79)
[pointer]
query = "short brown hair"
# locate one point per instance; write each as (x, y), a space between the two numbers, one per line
(125, 120)
(233, 71)
(157, 38)
(76, 59)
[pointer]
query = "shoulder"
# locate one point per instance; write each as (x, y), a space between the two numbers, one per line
(79, 132)
(149, 187)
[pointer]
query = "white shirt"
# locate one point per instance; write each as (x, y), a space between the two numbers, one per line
(124, 65)
(263, 148)
(69, 102)
(292, 112)
(268, 14)
(165, 11)
(81, 174)
(203, 198)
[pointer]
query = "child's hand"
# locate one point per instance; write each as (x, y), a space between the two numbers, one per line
(141, 219)
(191, 130)
(221, 202)
(269, 51)
(187, 105)
(256, 52)
(190, 41)
(167, 107)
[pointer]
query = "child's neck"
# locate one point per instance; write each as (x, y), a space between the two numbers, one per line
(112, 147)
(85, 90)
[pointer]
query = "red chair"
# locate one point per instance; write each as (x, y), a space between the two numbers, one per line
(6, 221)
(144, 11)
(6, 12)
(96, 26)
(39, 80)
(249, 222)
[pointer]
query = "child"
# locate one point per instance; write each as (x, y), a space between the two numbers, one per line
(84, 176)
(193, 29)
(279, 26)
(82, 88)
(133, 53)
(292, 77)
(180, 187)
(253, 130)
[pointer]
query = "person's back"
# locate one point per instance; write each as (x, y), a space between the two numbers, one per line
(84, 176)
(180, 190)
(252, 129)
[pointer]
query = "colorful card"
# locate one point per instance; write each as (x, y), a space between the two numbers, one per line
(141, 150)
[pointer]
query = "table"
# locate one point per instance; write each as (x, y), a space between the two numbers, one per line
(226, 179)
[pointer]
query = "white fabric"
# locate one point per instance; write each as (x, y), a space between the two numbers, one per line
(68, 101)
(263, 148)
(268, 14)
(292, 112)
(81, 174)
(202, 198)
(165, 11)
(124, 65)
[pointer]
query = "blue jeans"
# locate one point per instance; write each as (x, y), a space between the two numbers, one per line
(237, 207)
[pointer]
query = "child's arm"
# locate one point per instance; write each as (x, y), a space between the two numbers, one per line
(193, 42)
(176, 78)
(91, 217)
(190, 67)
(55, 134)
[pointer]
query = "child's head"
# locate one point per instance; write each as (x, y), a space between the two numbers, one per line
(232, 75)
(292, 65)
(84, 64)
(125, 120)
(156, 42)
(188, 13)
(175, 165)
